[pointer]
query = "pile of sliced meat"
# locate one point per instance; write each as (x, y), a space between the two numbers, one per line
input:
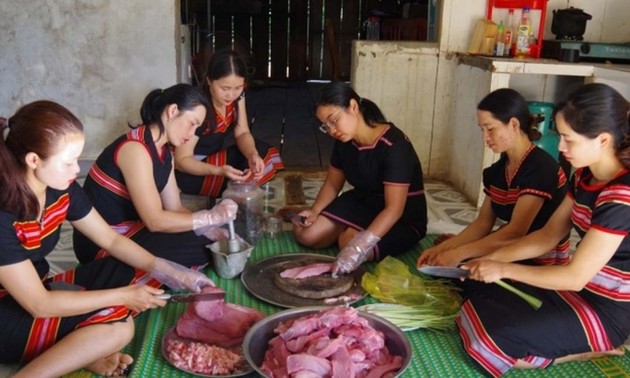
(202, 358)
(216, 322)
(333, 343)
(219, 328)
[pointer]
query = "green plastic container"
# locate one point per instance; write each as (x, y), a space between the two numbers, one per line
(547, 127)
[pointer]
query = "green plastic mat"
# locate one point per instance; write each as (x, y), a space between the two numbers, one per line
(435, 354)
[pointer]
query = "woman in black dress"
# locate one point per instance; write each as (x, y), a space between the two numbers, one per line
(385, 212)
(585, 303)
(523, 188)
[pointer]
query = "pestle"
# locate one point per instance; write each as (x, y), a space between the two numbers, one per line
(233, 244)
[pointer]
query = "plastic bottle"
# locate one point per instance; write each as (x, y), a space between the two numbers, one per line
(249, 222)
(522, 35)
(499, 47)
(508, 39)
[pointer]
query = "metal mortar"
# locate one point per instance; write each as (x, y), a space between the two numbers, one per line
(226, 264)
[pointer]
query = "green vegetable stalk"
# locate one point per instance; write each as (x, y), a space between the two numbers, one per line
(533, 301)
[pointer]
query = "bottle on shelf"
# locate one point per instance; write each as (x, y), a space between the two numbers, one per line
(499, 47)
(508, 39)
(522, 35)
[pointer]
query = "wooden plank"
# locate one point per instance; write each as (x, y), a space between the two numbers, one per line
(260, 42)
(349, 30)
(332, 15)
(316, 38)
(265, 108)
(279, 38)
(222, 32)
(298, 38)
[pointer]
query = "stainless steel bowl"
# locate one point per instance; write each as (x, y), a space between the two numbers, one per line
(257, 338)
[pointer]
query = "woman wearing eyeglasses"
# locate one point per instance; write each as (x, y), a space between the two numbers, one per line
(386, 212)
(204, 165)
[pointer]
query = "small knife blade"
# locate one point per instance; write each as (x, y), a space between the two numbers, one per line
(191, 297)
(444, 271)
(294, 217)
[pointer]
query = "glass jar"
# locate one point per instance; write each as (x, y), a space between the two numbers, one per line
(249, 222)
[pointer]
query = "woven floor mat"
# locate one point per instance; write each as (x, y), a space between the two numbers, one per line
(436, 354)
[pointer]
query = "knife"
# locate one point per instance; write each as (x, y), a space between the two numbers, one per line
(444, 271)
(294, 217)
(455, 272)
(191, 297)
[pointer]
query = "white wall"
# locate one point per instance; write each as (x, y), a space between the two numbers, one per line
(450, 146)
(99, 58)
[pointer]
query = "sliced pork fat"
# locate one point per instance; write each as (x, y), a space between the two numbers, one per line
(336, 343)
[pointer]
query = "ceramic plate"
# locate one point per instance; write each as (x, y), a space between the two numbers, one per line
(243, 369)
(258, 279)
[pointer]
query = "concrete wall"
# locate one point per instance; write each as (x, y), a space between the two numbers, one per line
(99, 58)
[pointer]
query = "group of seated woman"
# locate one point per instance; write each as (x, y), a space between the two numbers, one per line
(132, 234)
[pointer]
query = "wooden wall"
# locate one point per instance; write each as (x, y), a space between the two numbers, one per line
(286, 40)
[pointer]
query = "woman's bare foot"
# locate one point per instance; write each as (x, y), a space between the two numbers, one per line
(113, 365)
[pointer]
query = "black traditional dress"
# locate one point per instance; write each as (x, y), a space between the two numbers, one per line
(105, 185)
(537, 174)
(210, 148)
(23, 337)
(497, 328)
(391, 160)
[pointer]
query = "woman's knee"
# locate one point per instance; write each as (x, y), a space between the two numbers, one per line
(123, 331)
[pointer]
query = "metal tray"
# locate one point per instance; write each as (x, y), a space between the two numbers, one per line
(258, 279)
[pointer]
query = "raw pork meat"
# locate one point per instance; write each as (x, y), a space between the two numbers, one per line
(216, 322)
(335, 343)
(307, 270)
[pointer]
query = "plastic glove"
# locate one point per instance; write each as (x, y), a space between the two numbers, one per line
(219, 215)
(216, 233)
(178, 277)
(355, 253)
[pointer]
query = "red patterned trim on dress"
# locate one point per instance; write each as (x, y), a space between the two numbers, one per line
(559, 255)
(508, 177)
(479, 344)
(132, 229)
(273, 163)
(593, 329)
(611, 283)
(109, 183)
(503, 197)
(535, 192)
(212, 184)
(581, 216)
(42, 336)
(614, 194)
(380, 138)
(222, 123)
(31, 233)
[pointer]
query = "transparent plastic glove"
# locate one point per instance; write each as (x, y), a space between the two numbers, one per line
(216, 233)
(219, 215)
(355, 253)
(178, 277)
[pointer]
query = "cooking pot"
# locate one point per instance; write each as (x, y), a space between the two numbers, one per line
(569, 23)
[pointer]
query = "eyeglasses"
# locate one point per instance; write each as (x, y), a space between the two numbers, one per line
(328, 126)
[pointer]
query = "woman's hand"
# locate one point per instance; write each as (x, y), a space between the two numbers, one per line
(308, 216)
(433, 256)
(256, 167)
(141, 297)
(234, 174)
(485, 270)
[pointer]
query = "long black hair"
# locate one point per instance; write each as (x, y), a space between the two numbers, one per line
(597, 108)
(339, 94)
(37, 127)
(185, 96)
(505, 104)
(224, 62)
